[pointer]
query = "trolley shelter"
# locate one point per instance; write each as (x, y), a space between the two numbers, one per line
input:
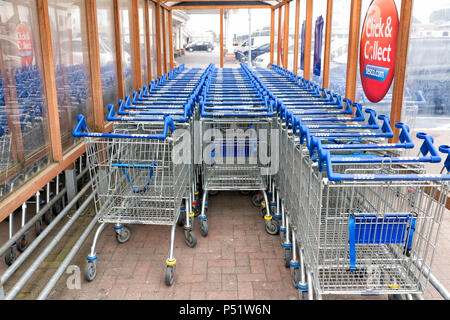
(318, 116)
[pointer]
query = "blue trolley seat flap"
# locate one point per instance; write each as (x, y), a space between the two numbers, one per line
(371, 229)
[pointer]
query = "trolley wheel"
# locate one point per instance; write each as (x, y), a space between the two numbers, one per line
(90, 270)
(263, 212)
(287, 257)
(38, 226)
(244, 192)
(57, 207)
(282, 237)
(124, 235)
(213, 192)
(257, 199)
(22, 244)
(48, 216)
(271, 228)
(190, 238)
(303, 295)
(170, 272)
(181, 219)
(295, 276)
(395, 297)
(203, 228)
(10, 256)
(195, 210)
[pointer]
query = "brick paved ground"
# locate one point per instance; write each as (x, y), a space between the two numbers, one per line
(238, 260)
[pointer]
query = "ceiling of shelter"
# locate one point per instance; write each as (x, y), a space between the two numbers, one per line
(244, 3)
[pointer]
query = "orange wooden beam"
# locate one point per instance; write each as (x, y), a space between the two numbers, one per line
(272, 34)
(48, 68)
(170, 38)
(136, 44)
(326, 59)
(118, 44)
(94, 64)
(296, 36)
(400, 66)
(147, 43)
(158, 38)
(286, 35)
(352, 56)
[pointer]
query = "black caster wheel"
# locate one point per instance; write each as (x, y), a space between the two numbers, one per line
(271, 228)
(203, 228)
(303, 295)
(22, 244)
(123, 235)
(10, 256)
(263, 212)
(213, 192)
(48, 216)
(57, 207)
(395, 297)
(38, 227)
(170, 273)
(295, 276)
(257, 199)
(181, 219)
(190, 238)
(287, 257)
(196, 211)
(90, 270)
(244, 192)
(282, 237)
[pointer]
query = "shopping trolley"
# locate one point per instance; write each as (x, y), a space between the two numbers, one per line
(370, 224)
(236, 120)
(135, 182)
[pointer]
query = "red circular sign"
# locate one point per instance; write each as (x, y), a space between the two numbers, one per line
(23, 39)
(378, 48)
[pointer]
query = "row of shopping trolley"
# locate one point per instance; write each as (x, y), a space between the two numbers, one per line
(357, 214)
(143, 170)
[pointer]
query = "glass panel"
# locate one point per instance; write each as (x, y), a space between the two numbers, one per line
(107, 46)
(426, 100)
(161, 12)
(125, 30)
(280, 37)
(71, 56)
(143, 42)
(301, 35)
(340, 22)
(201, 39)
(383, 106)
(318, 23)
(24, 146)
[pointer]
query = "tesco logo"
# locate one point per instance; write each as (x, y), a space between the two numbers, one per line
(378, 48)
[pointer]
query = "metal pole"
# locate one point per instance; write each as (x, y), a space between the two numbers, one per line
(57, 275)
(30, 271)
(31, 222)
(10, 271)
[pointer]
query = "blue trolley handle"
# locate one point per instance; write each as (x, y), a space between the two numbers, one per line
(81, 127)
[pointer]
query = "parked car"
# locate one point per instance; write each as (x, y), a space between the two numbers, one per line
(200, 46)
(243, 55)
(262, 61)
(256, 42)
